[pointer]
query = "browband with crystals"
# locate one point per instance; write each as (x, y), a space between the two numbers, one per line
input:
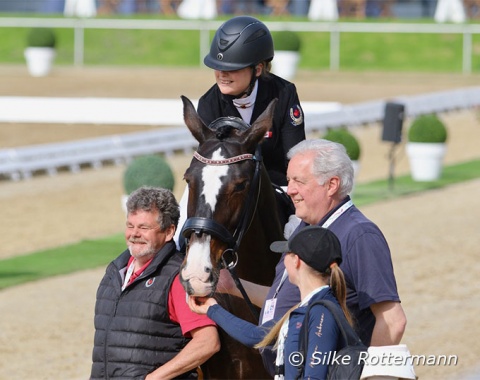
(226, 161)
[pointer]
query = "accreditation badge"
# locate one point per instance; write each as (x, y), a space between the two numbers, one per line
(269, 310)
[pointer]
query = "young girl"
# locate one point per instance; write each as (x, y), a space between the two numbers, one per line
(312, 259)
(312, 263)
(240, 55)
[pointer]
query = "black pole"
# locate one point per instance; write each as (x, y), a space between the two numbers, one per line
(391, 175)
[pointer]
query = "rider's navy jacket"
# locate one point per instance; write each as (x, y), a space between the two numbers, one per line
(323, 334)
(288, 122)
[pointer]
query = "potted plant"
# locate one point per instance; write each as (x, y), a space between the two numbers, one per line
(287, 46)
(149, 170)
(426, 147)
(349, 141)
(40, 51)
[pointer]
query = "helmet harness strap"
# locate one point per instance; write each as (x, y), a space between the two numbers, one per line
(251, 85)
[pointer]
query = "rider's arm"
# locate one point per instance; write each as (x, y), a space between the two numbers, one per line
(245, 332)
(256, 293)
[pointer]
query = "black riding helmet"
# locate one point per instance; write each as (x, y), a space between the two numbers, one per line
(240, 42)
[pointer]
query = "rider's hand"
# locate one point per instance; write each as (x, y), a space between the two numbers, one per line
(200, 305)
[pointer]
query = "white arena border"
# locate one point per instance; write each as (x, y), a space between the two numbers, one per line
(21, 162)
(116, 111)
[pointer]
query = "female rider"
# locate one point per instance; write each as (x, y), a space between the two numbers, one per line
(240, 55)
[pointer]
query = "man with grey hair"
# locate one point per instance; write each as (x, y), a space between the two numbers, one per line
(143, 325)
(320, 178)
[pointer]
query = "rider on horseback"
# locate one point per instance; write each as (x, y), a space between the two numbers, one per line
(240, 55)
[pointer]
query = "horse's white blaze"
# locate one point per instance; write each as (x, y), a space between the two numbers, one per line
(212, 180)
(198, 268)
(198, 260)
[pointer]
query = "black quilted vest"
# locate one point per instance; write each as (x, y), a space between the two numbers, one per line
(133, 332)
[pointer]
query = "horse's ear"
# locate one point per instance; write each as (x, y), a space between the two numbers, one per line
(261, 126)
(196, 126)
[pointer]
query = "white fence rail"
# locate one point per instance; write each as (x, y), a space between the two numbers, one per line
(21, 163)
(373, 111)
(205, 27)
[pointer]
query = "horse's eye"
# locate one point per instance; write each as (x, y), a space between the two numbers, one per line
(240, 186)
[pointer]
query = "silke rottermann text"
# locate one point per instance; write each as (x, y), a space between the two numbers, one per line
(384, 359)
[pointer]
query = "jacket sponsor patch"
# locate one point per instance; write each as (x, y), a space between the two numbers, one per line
(296, 114)
(150, 282)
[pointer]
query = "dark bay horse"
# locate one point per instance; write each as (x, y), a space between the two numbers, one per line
(231, 212)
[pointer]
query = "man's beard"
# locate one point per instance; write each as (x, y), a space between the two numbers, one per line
(138, 251)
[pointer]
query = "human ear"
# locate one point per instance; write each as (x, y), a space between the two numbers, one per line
(333, 185)
(258, 69)
(170, 232)
(296, 261)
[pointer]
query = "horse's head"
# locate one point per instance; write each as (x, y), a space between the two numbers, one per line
(222, 185)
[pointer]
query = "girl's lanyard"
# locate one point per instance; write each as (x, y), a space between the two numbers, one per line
(270, 304)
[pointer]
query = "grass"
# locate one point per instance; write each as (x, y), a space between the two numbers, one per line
(381, 190)
(358, 51)
(96, 253)
(62, 260)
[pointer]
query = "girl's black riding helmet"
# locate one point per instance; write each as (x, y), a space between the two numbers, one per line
(240, 42)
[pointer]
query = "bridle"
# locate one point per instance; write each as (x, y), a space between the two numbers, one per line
(201, 225)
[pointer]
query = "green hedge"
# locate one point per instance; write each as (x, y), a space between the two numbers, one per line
(41, 37)
(150, 170)
(349, 141)
(286, 40)
(427, 129)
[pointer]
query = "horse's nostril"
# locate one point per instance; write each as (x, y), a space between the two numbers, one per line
(211, 280)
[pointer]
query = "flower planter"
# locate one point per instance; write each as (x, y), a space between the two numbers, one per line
(39, 60)
(285, 63)
(426, 160)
